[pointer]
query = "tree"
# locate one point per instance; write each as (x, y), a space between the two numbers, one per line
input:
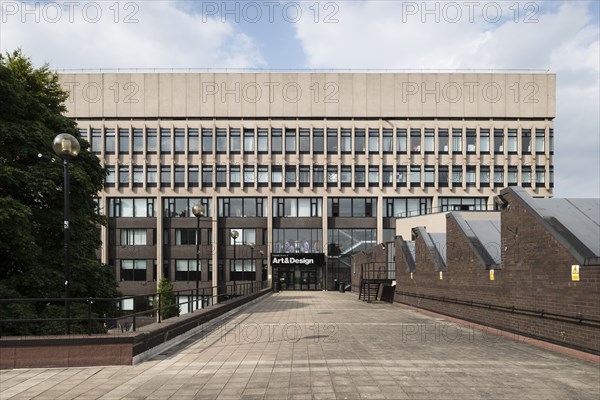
(165, 299)
(31, 200)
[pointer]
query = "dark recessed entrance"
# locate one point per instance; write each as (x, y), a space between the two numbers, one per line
(298, 271)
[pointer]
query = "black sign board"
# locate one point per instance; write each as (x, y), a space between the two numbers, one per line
(303, 259)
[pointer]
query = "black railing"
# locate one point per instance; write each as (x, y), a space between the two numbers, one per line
(44, 316)
(378, 271)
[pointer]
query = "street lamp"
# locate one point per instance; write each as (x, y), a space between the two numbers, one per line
(252, 247)
(66, 147)
(199, 211)
(234, 235)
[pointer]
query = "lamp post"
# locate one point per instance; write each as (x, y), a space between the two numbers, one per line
(234, 235)
(199, 211)
(262, 262)
(252, 247)
(66, 147)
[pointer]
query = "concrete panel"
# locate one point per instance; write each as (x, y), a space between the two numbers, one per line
(373, 95)
(292, 92)
(251, 94)
(208, 93)
(179, 95)
(151, 95)
(329, 94)
(318, 82)
(345, 102)
(133, 92)
(359, 94)
(387, 95)
(165, 93)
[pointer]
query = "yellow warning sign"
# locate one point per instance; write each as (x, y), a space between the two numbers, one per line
(574, 272)
(491, 274)
(441, 275)
(411, 275)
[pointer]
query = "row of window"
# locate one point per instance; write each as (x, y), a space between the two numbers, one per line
(318, 140)
(330, 176)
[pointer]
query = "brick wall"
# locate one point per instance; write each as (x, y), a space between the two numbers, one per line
(535, 275)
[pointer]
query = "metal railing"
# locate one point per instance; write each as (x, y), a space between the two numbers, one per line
(372, 271)
(44, 316)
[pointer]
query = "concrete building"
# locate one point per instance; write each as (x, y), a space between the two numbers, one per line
(308, 168)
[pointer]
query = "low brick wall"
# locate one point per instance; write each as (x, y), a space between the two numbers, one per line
(95, 350)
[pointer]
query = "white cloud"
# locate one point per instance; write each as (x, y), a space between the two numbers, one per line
(150, 34)
(565, 40)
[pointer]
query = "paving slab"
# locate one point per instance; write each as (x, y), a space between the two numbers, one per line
(326, 345)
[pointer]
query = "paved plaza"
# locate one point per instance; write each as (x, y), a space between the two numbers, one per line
(326, 345)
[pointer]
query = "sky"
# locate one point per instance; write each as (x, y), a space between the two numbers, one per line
(562, 37)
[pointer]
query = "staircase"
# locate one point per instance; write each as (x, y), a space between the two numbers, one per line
(372, 277)
(368, 290)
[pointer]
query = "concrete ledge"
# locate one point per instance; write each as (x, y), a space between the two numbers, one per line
(121, 349)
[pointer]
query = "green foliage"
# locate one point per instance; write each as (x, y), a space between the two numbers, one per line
(165, 299)
(31, 199)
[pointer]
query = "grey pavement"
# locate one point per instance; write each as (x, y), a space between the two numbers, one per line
(326, 345)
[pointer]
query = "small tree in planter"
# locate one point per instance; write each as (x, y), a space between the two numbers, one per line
(165, 300)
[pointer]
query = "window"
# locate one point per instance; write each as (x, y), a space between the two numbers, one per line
(304, 176)
(123, 140)
(512, 176)
(165, 176)
(234, 175)
(207, 178)
(96, 141)
(290, 141)
(471, 176)
(109, 181)
(332, 175)
(457, 178)
(165, 140)
(179, 140)
(350, 241)
(359, 176)
(318, 176)
(109, 141)
(151, 175)
(387, 142)
(248, 140)
(332, 141)
(248, 175)
(498, 141)
(429, 140)
(401, 175)
(457, 140)
(221, 140)
(131, 207)
(193, 140)
(185, 270)
(512, 141)
(297, 207)
(297, 240)
(352, 207)
(443, 141)
(181, 207)
(304, 142)
(551, 176)
(346, 175)
(138, 140)
(471, 140)
(484, 140)
(276, 175)
(374, 176)
(526, 176)
(185, 237)
(317, 141)
(133, 237)
(539, 141)
(234, 141)
(415, 140)
(221, 172)
(124, 176)
(263, 140)
(346, 141)
(415, 175)
(246, 236)
(443, 177)
(263, 175)
(138, 176)
(387, 177)
(359, 141)
(551, 143)
(401, 141)
(192, 176)
(498, 176)
(429, 175)
(133, 270)
(462, 204)
(526, 141)
(207, 140)
(406, 206)
(484, 176)
(290, 175)
(179, 176)
(275, 141)
(151, 140)
(373, 140)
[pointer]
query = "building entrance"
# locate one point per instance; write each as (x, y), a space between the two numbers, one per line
(298, 271)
